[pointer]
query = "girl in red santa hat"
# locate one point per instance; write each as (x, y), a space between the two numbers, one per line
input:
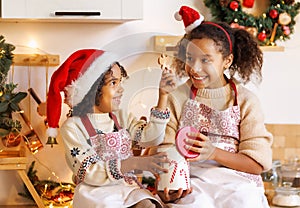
(98, 135)
(226, 144)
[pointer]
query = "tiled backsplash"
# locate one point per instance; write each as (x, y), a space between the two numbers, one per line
(286, 145)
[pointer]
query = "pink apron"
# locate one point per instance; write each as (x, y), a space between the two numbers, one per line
(112, 145)
(222, 127)
(109, 147)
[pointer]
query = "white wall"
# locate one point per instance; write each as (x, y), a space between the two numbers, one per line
(134, 43)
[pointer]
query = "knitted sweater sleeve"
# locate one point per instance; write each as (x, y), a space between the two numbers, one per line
(255, 140)
(175, 104)
(146, 133)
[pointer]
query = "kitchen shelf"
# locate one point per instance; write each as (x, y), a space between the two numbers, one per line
(36, 60)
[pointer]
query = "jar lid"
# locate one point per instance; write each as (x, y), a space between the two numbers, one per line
(290, 170)
(181, 135)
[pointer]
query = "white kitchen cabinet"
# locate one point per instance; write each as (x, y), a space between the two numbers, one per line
(71, 10)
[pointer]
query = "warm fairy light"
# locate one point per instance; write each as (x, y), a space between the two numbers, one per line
(45, 189)
(32, 44)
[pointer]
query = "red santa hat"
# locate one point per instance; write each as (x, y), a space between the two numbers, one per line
(74, 77)
(191, 18)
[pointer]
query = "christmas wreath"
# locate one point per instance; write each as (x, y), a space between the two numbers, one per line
(276, 23)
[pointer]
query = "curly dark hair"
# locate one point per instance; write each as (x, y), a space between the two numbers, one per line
(92, 97)
(248, 58)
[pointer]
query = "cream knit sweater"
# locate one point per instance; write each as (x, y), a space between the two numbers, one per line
(255, 140)
(80, 154)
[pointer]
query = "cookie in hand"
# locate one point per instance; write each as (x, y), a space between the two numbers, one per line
(165, 61)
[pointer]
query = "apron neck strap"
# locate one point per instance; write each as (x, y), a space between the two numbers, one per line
(114, 118)
(194, 91)
(233, 86)
(89, 127)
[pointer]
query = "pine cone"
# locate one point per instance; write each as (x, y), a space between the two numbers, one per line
(224, 3)
(289, 2)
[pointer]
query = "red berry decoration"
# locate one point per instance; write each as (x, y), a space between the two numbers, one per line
(273, 13)
(248, 3)
(234, 5)
(262, 36)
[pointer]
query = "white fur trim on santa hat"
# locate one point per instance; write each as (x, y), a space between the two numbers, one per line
(76, 91)
(52, 132)
(195, 24)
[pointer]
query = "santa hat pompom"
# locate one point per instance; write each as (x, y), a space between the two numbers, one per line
(191, 18)
(177, 16)
(75, 78)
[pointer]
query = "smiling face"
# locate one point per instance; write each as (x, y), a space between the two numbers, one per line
(112, 91)
(205, 64)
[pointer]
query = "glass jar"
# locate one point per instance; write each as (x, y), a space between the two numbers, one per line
(286, 197)
(271, 180)
(290, 174)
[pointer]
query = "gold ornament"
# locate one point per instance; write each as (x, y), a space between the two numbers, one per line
(252, 31)
(284, 18)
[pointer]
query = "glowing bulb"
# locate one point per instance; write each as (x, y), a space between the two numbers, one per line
(32, 44)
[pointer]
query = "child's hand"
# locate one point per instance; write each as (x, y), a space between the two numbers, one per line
(168, 82)
(168, 196)
(152, 163)
(201, 144)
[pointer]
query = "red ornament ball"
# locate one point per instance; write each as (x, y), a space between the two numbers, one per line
(273, 13)
(262, 36)
(234, 5)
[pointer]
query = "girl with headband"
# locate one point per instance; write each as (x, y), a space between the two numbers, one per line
(227, 144)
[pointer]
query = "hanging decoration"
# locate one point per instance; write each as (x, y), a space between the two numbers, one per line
(276, 23)
(53, 193)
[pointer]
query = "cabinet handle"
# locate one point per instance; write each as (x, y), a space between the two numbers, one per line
(72, 13)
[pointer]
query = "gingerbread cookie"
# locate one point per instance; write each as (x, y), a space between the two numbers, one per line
(165, 61)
